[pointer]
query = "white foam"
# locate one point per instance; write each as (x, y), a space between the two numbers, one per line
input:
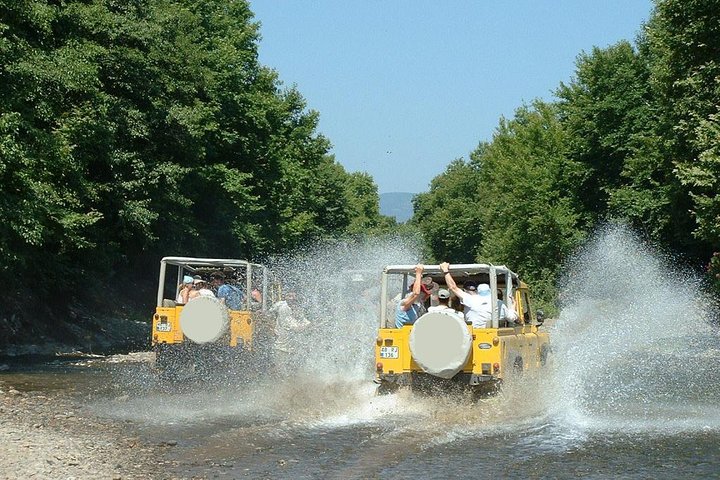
(632, 341)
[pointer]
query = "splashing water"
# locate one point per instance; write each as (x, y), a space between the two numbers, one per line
(325, 380)
(634, 348)
(338, 289)
(633, 351)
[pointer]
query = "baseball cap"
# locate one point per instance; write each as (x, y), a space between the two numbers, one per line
(483, 289)
(443, 293)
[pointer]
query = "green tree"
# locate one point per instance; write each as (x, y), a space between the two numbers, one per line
(130, 130)
(364, 206)
(682, 44)
(607, 114)
(449, 216)
(529, 214)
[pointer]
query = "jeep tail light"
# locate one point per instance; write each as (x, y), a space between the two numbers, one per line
(379, 367)
(496, 367)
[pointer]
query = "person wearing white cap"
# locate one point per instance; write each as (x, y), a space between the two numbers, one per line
(200, 289)
(443, 306)
(476, 298)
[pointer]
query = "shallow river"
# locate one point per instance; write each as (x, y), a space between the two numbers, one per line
(632, 391)
(312, 428)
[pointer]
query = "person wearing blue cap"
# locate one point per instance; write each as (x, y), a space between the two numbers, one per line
(184, 290)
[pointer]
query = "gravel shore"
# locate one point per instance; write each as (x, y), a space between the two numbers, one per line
(47, 435)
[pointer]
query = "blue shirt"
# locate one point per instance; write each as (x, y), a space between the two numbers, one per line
(232, 295)
(403, 317)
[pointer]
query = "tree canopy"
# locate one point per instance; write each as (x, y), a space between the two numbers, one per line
(634, 137)
(140, 128)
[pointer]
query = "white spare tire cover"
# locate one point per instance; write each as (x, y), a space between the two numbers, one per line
(440, 344)
(204, 319)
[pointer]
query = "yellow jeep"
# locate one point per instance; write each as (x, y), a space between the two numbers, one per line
(440, 351)
(207, 332)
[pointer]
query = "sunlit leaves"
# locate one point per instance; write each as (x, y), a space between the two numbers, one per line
(449, 214)
(634, 137)
(528, 216)
(147, 127)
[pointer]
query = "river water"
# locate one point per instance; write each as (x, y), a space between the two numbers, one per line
(632, 391)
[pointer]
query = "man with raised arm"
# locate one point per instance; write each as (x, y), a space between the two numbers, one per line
(411, 307)
(477, 301)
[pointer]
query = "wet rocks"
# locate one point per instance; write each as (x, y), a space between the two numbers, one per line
(47, 436)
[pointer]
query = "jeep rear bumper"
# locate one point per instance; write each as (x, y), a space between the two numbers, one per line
(393, 381)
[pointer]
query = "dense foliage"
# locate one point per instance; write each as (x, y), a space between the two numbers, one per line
(634, 138)
(139, 128)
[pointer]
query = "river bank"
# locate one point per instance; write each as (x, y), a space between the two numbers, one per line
(79, 329)
(48, 434)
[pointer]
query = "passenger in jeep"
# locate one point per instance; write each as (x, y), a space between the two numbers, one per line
(506, 313)
(200, 289)
(443, 305)
(184, 290)
(431, 289)
(411, 307)
(230, 295)
(476, 299)
(255, 299)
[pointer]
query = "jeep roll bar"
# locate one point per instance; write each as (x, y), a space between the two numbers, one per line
(465, 269)
(184, 262)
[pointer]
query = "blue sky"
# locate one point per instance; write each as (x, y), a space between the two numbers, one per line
(405, 87)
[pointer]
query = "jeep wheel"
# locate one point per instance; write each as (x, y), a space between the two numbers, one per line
(544, 352)
(386, 388)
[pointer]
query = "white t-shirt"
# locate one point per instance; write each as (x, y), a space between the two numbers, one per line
(287, 325)
(445, 309)
(477, 309)
(506, 313)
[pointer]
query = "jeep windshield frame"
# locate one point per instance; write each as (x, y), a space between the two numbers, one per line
(192, 264)
(494, 275)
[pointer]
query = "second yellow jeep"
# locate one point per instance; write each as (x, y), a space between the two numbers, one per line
(440, 351)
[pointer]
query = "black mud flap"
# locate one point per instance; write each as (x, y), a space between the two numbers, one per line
(391, 383)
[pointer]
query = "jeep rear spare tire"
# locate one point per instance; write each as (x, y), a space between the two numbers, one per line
(440, 344)
(204, 319)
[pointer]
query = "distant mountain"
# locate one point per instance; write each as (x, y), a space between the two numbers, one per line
(397, 204)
